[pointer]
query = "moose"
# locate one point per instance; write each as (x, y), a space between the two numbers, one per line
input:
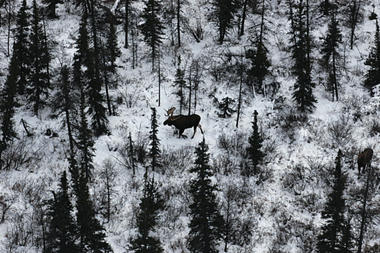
(181, 122)
(364, 159)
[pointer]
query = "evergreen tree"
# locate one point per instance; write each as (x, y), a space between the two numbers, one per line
(303, 88)
(372, 77)
(225, 107)
(21, 48)
(39, 57)
(259, 66)
(62, 235)
(8, 104)
(85, 74)
(85, 142)
(51, 7)
(330, 55)
(150, 206)
(254, 152)
(334, 236)
(223, 13)
(206, 223)
(91, 233)
(152, 27)
(180, 84)
(154, 152)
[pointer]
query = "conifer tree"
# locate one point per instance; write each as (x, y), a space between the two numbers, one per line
(150, 206)
(223, 13)
(39, 57)
(84, 57)
(334, 236)
(180, 84)
(154, 152)
(206, 223)
(152, 27)
(8, 104)
(330, 55)
(85, 142)
(225, 107)
(62, 235)
(91, 233)
(303, 87)
(254, 152)
(372, 77)
(21, 48)
(259, 60)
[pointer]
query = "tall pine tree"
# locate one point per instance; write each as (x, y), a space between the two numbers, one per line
(154, 151)
(206, 223)
(331, 56)
(152, 27)
(21, 48)
(223, 13)
(303, 87)
(91, 233)
(180, 84)
(39, 57)
(62, 235)
(372, 77)
(335, 235)
(150, 206)
(254, 152)
(8, 104)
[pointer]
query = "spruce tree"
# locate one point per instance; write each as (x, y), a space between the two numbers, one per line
(254, 152)
(206, 223)
(21, 48)
(62, 234)
(223, 13)
(154, 152)
(85, 142)
(85, 74)
(152, 27)
(303, 87)
(334, 236)
(91, 233)
(8, 104)
(330, 55)
(150, 206)
(372, 77)
(39, 57)
(225, 107)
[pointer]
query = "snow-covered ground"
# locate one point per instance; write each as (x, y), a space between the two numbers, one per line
(282, 214)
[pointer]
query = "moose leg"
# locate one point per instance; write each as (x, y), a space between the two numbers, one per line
(200, 128)
(195, 130)
(181, 132)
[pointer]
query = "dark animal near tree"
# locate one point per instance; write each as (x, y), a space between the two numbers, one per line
(181, 122)
(364, 159)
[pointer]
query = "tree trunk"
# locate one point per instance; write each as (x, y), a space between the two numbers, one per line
(364, 212)
(244, 15)
(178, 22)
(126, 23)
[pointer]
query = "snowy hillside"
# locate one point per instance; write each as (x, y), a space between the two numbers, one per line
(279, 209)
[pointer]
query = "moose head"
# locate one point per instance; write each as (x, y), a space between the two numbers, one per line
(181, 122)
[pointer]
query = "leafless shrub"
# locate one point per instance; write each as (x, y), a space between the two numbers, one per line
(232, 143)
(340, 131)
(17, 155)
(374, 128)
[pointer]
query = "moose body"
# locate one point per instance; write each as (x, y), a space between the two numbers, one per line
(364, 159)
(182, 122)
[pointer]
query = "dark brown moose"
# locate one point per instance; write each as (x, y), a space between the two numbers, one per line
(181, 122)
(364, 159)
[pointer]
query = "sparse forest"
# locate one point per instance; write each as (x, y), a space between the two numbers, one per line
(189, 126)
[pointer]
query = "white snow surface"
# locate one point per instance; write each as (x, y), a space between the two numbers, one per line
(274, 207)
